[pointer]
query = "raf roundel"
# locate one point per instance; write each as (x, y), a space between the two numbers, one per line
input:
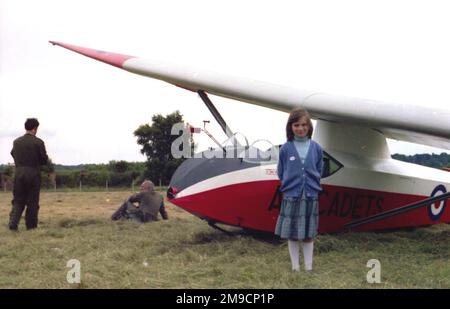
(436, 211)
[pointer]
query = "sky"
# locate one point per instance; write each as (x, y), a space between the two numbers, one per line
(393, 51)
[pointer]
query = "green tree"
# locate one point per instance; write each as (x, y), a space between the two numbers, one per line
(432, 160)
(156, 141)
(47, 174)
(8, 170)
(119, 166)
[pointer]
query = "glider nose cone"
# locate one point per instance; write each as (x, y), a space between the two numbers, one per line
(200, 176)
(114, 59)
(190, 172)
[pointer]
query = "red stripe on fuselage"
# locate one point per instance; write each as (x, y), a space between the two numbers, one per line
(249, 205)
(106, 57)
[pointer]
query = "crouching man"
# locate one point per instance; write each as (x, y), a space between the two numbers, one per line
(143, 206)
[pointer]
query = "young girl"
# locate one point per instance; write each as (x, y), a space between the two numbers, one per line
(299, 169)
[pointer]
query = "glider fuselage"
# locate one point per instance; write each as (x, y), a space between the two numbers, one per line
(360, 180)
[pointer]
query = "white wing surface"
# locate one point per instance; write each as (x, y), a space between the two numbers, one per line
(417, 124)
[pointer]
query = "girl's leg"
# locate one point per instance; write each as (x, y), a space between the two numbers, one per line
(308, 248)
(293, 252)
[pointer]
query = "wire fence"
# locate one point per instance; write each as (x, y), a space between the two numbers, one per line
(7, 188)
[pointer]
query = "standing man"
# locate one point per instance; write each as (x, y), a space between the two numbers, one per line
(29, 154)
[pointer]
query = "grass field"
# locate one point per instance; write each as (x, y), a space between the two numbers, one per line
(184, 252)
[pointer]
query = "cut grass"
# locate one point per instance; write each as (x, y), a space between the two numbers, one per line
(184, 252)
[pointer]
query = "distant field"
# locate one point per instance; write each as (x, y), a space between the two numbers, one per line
(184, 252)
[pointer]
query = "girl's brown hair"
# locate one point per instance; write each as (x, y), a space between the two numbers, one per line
(295, 116)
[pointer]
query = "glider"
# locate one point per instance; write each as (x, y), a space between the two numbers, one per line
(364, 189)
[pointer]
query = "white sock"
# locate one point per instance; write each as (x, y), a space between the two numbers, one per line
(293, 252)
(308, 248)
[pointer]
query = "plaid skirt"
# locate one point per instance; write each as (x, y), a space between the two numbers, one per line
(298, 218)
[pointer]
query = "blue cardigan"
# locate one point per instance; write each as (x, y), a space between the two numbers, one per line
(296, 176)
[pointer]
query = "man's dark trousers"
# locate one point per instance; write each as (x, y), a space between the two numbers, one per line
(27, 183)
